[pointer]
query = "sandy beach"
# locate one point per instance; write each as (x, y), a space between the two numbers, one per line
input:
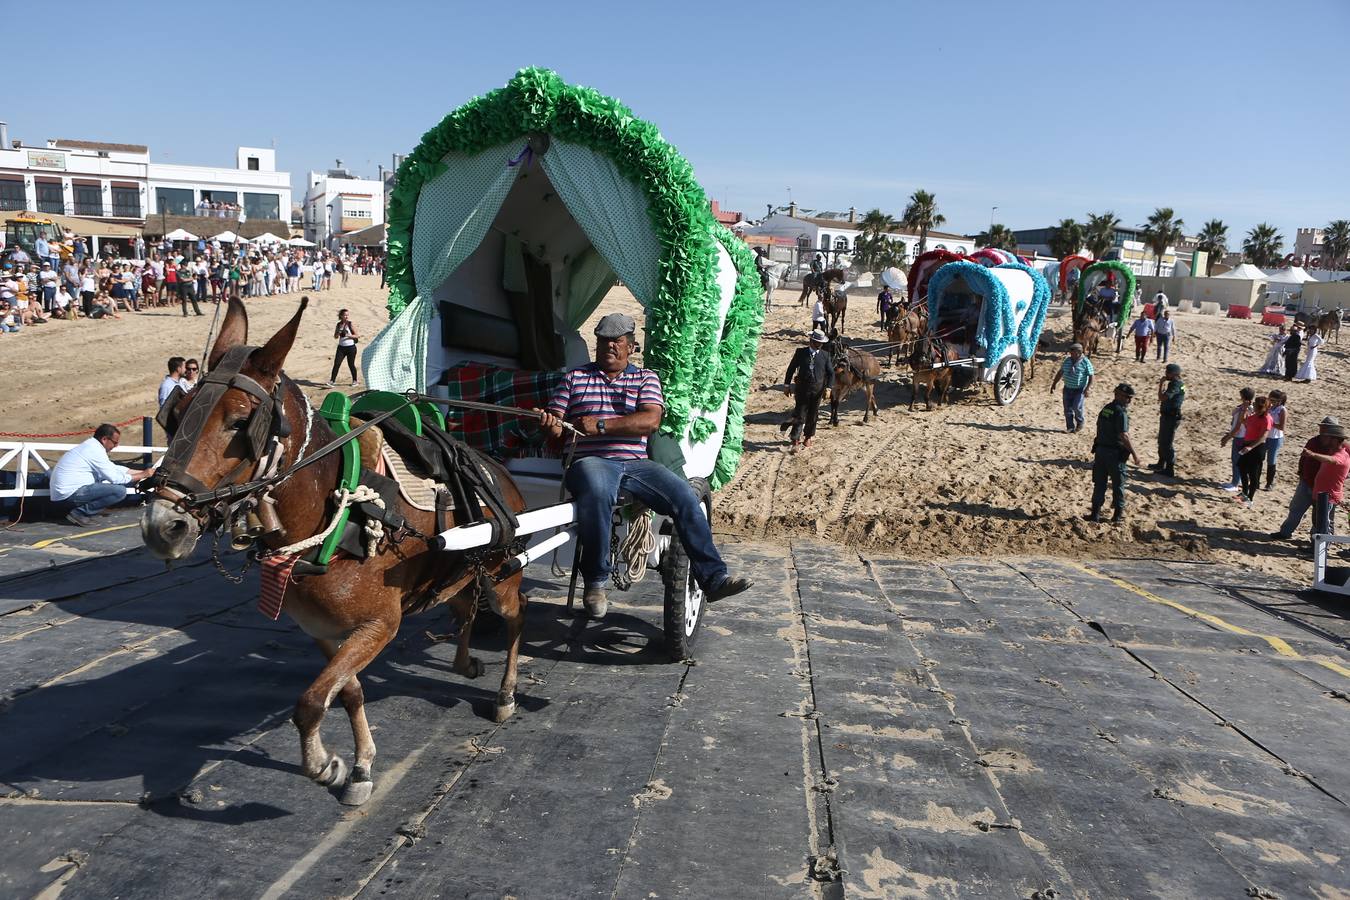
(968, 479)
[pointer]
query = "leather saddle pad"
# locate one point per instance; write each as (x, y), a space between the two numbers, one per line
(419, 493)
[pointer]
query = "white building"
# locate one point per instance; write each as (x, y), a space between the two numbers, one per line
(842, 234)
(118, 182)
(253, 184)
(337, 203)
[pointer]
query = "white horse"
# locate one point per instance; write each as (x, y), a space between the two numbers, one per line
(774, 276)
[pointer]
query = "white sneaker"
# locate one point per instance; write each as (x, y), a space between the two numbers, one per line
(1230, 488)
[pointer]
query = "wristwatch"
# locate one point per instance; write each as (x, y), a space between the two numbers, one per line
(600, 426)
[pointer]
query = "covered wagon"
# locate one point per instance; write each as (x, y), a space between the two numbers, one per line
(507, 228)
(991, 317)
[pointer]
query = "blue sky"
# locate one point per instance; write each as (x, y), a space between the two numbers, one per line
(1235, 109)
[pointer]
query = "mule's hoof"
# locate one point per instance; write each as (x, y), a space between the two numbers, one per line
(356, 793)
(473, 669)
(334, 773)
(503, 711)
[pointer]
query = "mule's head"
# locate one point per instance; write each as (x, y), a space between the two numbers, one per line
(213, 429)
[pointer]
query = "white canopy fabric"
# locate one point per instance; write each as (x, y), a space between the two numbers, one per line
(1246, 271)
(300, 242)
(226, 237)
(1291, 275)
(268, 237)
(179, 234)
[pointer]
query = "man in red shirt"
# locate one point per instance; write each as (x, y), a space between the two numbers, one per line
(1329, 481)
(1308, 465)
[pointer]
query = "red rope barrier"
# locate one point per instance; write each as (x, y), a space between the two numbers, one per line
(16, 434)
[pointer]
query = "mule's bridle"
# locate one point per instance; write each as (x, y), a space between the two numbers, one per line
(264, 430)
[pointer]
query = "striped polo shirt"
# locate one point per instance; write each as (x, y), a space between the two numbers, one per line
(587, 392)
(1076, 376)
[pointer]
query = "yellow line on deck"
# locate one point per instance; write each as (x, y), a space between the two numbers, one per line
(71, 537)
(1279, 645)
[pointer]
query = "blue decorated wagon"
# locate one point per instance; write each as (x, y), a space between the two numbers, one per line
(992, 317)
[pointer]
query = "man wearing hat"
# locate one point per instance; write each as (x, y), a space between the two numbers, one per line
(616, 405)
(1110, 449)
(1077, 372)
(1171, 393)
(811, 365)
(1330, 436)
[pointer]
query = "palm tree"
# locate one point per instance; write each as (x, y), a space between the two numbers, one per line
(1101, 233)
(1262, 245)
(922, 214)
(1000, 237)
(1066, 238)
(875, 249)
(1335, 244)
(1161, 231)
(1213, 239)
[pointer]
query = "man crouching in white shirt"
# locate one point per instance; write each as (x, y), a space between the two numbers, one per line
(90, 481)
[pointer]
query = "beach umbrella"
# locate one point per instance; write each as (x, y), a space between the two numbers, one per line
(178, 234)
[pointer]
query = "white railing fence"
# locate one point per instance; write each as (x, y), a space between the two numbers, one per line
(24, 458)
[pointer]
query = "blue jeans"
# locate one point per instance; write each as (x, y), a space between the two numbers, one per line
(1164, 344)
(595, 482)
(93, 498)
(1234, 457)
(1273, 445)
(1073, 408)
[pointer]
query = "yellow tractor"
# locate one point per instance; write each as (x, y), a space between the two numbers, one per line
(24, 228)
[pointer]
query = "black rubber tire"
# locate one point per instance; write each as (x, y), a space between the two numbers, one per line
(680, 623)
(1008, 380)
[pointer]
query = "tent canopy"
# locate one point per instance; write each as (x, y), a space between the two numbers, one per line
(226, 237)
(526, 205)
(366, 237)
(1291, 275)
(179, 234)
(1245, 271)
(300, 242)
(268, 237)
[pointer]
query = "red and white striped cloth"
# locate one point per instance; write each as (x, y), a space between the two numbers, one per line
(276, 576)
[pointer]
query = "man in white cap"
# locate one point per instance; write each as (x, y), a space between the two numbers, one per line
(811, 366)
(616, 405)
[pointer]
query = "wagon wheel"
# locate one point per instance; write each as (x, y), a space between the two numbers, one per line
(684, 604)
(1008, 380)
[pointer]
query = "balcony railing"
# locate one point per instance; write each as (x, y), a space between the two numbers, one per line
(126, 210)
(88, 209)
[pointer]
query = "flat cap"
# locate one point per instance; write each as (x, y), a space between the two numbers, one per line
(615, 325)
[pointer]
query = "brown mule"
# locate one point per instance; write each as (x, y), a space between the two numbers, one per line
(854, 368)
(355, 608)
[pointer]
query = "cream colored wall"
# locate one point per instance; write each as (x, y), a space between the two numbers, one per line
(1223, 291)
(1335, 295)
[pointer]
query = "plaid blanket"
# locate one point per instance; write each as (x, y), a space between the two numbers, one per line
(499, 436)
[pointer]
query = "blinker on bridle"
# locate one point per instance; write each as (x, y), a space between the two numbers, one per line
(185, 430)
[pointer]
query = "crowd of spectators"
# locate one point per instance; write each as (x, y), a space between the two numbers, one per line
(64, 283)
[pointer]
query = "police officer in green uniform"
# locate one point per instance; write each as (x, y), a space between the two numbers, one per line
(1110, 449)
(1170, 394)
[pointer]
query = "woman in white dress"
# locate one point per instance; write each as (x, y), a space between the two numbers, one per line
(1274, 364)
(1308, 371)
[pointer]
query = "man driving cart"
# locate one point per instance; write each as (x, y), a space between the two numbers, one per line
(616, 405)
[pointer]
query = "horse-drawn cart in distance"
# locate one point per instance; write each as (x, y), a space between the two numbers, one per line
(990, 318)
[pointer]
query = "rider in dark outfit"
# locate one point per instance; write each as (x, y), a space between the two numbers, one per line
(811, 366)
(1109, 451)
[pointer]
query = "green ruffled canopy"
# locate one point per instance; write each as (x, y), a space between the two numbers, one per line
(702, 362)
